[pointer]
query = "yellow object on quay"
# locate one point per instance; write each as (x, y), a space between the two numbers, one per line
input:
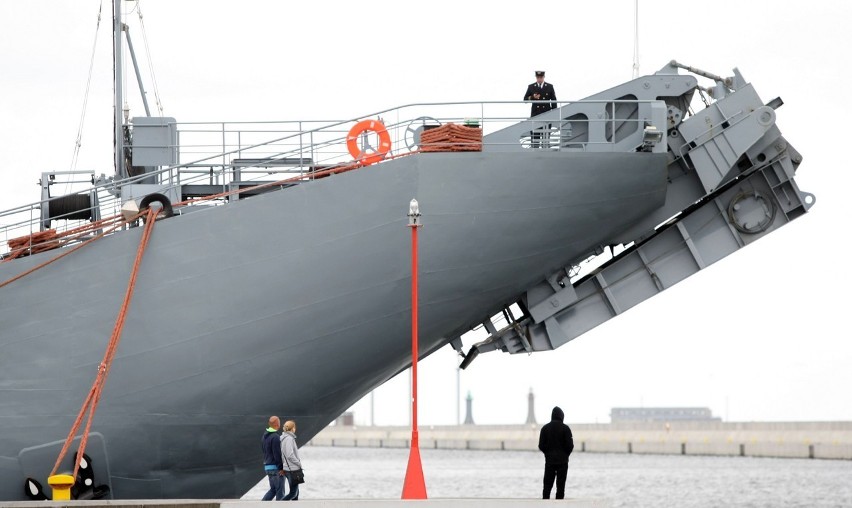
(61, 484)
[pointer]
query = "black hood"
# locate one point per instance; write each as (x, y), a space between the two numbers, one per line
(557, 414)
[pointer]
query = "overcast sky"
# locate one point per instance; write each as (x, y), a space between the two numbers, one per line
(761, 335)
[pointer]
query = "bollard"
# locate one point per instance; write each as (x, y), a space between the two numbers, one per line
(61, 484)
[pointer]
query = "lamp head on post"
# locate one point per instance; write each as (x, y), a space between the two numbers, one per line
(414, 213)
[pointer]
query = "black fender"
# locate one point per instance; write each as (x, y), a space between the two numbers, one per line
(167, 210)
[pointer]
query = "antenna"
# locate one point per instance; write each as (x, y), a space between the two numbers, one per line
(636, 39)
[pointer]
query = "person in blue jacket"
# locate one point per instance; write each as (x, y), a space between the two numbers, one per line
(272, 463)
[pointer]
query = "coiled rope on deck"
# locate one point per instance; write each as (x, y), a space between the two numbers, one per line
(72, 235)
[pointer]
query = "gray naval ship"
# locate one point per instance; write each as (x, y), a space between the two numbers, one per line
(285, 286)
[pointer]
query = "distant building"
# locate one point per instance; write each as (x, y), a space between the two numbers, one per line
(661, 414)
(346, 419)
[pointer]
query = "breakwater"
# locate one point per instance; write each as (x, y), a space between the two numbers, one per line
(814, 440)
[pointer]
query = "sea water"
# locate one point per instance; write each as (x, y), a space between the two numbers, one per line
(625, 480)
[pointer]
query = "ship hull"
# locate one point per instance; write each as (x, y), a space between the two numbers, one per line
(295, 302)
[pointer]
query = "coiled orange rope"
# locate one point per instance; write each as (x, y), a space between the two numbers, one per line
(51, 239)
(100, 235)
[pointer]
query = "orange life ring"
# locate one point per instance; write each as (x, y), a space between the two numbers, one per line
(364, 157)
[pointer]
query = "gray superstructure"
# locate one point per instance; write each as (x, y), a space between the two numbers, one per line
(296, 300)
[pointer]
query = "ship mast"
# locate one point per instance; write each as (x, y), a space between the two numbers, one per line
(636, 39)
(116, 53)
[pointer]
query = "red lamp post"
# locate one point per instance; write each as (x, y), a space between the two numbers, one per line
(414, 486)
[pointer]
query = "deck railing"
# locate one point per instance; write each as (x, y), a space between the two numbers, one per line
(223, 156)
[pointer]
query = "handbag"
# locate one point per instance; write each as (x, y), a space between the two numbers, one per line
(297, 475)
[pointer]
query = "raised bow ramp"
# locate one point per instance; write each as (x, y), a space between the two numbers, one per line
(730, 182)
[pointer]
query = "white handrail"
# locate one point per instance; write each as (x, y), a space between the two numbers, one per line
(212, 147)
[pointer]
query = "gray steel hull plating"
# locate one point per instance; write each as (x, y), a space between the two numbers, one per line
(295, 303)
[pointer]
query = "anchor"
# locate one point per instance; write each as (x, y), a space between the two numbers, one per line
(84, 486)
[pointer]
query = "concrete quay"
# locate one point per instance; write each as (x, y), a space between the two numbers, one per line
(320, 503)
(805, 440)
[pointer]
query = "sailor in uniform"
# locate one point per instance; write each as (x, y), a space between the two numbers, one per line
(540, 91)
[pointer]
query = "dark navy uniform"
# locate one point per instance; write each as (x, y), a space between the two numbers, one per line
(543, 91)
(546, 93)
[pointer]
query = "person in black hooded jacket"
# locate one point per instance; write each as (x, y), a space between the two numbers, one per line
(557, 443)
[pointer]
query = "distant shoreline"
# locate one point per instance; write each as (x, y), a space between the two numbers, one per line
(806, 440)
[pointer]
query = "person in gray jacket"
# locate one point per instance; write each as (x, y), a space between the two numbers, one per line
(290, 458)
